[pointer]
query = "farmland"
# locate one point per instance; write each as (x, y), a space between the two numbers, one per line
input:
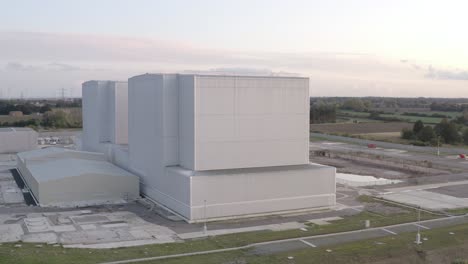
(428, 117)
(360, 128)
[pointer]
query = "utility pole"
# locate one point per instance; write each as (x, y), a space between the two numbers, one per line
(205, 229)
(438, 146)
(62, 90)
(418, 235)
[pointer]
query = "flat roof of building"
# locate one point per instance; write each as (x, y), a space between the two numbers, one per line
(310, 166)
(58, 163)
(227, 75)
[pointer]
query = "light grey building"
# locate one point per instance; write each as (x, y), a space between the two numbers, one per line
(67, 178)
(105, 114)
(211, 147)
(17, 139)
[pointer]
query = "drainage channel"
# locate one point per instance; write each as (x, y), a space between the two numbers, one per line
(28, 197)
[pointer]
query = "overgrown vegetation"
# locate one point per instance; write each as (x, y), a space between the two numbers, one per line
(448, 132)
(41, 113)
(322, 113)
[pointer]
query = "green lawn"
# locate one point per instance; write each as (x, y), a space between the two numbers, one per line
(363, 116)
(460, 211)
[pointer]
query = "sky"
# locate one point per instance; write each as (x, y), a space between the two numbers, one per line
(347, 48)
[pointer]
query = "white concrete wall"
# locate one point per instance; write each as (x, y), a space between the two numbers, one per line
(243, 122)
(153, 138)
(28, 178)
(90, 134)
(120, 118)
(105, 114)
(187, 121)
(17, 140)
(89, 189)
(224, 139)
(245, 192)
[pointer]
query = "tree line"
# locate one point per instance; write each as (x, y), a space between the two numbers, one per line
(449, 132)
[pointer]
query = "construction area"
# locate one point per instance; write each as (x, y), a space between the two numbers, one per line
(399, 173)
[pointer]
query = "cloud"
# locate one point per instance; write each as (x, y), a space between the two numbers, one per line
(45, 62)
(62, 67)
(244, 71)
(53, 67)
(16, 66)
(433, 73)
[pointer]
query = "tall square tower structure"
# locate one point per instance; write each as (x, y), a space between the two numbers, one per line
(209, 146)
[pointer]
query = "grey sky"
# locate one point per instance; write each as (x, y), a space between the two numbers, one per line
(348, 48)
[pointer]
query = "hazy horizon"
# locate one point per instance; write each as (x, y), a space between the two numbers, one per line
(358, 48)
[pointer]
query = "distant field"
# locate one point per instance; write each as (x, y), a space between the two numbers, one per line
(350, 116)
(360, 128)
(10, 119)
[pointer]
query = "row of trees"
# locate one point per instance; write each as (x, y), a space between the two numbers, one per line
(25, 107)
(50, 119)
(31, 107)
(448, 107)
(444, 132)
(322, 113)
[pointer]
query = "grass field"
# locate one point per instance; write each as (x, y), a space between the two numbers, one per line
(351, 116)
(10, 119)
(444, 245)
(360, 128)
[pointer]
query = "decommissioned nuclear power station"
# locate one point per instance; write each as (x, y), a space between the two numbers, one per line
(202, 146)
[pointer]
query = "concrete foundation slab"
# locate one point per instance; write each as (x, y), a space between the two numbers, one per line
(10, 233)
(427, 199)
(49, 238)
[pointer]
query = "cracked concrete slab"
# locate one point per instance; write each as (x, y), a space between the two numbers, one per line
(10, 233)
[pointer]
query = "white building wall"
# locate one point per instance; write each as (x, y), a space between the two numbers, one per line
(153, 144)
(186, 121)
(120, 118)
(90, 134)
(246, 192)
(243, 122)
(105, 114)
(223, 139)
(13, 140)
(87, 189)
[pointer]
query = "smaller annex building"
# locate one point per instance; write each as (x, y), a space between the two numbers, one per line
(17, 139)
(68, 178)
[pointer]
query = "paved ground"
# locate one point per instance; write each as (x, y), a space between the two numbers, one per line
(438, 196)
(127, 224)
(459, 190)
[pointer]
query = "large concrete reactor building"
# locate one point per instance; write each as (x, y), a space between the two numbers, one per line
(209, 146)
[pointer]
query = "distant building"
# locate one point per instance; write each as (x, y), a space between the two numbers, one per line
(17, 139)
(16, 113)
